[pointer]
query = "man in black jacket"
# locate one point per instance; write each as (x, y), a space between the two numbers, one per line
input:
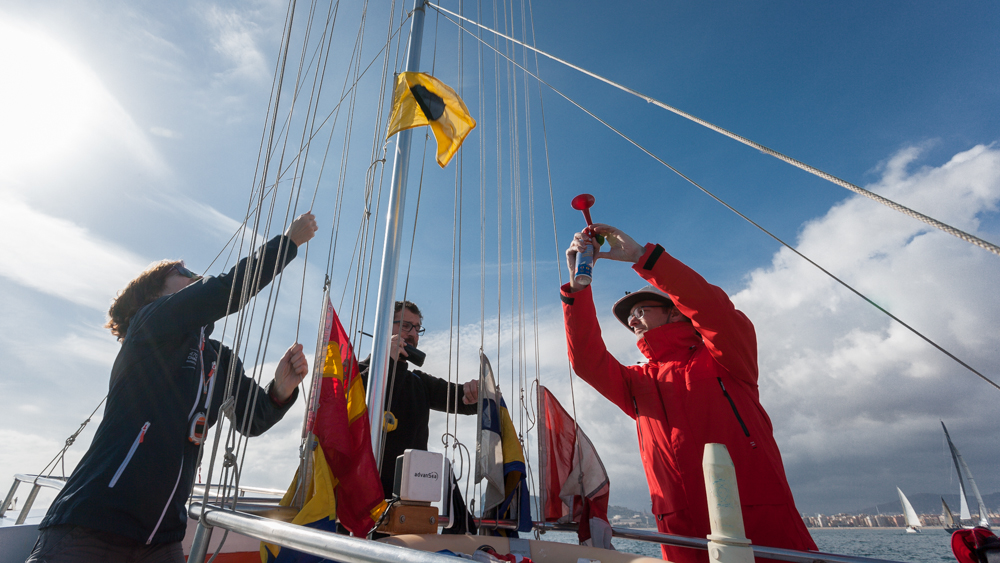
(410, 395)
(125, 500)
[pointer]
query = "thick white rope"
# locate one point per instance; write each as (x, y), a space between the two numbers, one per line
(972, 239)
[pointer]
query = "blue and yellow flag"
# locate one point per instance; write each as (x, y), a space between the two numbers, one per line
(420, 99)
(500, 457)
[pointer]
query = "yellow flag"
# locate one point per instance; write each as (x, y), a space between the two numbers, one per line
(420, 99)
(320, 510)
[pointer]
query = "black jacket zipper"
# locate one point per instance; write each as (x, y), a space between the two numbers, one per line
(733, 405)
(638, 424)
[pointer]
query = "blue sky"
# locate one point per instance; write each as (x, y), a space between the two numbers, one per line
(132, 134)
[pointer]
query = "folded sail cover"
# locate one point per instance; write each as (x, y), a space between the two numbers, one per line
(420, 99)
(345, 484)
(574, 483)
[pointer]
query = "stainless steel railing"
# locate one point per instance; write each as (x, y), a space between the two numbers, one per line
(696, 543)
(315, 542)
(37, 482)
(354, 550)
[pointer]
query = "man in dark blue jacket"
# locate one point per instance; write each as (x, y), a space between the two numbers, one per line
(125, 501)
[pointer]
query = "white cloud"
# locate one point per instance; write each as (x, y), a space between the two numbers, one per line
(235, 41)
(61, 258)
(840, 379)
(92, 345)
(165, 133)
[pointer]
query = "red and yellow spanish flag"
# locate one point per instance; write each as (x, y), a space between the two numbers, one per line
(420, 99)
(345, 483)
(342, 428)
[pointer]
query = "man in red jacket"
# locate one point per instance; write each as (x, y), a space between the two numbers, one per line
(699, 387)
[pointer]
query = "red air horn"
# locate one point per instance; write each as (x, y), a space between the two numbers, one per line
(585, 259)
(584, 202)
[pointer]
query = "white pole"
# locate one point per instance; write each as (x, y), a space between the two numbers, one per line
(728, 542)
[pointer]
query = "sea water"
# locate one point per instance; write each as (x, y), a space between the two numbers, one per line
(931, 545)
(894, 544)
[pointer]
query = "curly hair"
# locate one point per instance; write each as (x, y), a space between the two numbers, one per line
(410, 306)
(141, 291)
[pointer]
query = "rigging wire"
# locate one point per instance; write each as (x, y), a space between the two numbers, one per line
(527, 406)
(261, 173)
(296, 191)
(455, 313)
(482, 234)
(320, 78)
(482, 184)
(331, 114)
(512, 139)
(359, 301)
(531, 227)
(274, 288)
(761, 228)
(972, 239)
(309, 130)
(61, 456)
(517, 272)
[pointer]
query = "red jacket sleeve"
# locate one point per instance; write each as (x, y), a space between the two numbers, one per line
(726, 331)
(588, 354)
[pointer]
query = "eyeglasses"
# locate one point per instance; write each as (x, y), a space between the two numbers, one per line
(181, 270)
(640, 312)
(405, 326)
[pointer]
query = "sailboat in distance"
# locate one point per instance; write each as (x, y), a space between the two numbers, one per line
(964, 475)
(912, 520)
(950, 523)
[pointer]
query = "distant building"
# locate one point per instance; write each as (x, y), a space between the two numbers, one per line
(869, 520)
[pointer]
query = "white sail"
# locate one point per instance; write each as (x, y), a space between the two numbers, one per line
(963, 509)
(963, 473)
(912, 520)
(983, 520)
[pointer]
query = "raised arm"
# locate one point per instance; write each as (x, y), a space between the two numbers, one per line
(726, 331)
(589, 355)
(208, 300)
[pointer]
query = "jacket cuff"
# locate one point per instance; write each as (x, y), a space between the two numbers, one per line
(292, 248)
(649, 258)
(569, 297)
(281, 404)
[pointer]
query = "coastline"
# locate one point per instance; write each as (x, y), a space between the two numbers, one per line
(811, 528)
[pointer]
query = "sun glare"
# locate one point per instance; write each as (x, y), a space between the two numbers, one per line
(49, 100)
